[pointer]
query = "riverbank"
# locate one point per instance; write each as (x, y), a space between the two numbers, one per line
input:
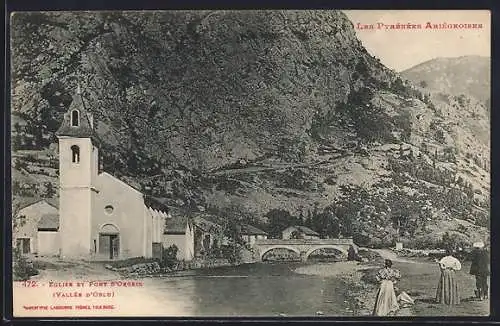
(419, 280)
(352, 274)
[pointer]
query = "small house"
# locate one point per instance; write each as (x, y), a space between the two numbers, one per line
(194, 235)
(250, 234)
(26, 235)
(299, 232)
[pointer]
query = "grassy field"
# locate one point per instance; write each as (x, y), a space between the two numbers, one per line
(420, 279)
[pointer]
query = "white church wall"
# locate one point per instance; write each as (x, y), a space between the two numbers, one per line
(126, 213)
(75, 214)
(48, 243)
(148, 232)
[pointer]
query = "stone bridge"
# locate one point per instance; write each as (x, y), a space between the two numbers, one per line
(303, 247)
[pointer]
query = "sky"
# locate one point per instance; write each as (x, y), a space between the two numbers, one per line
(403, 49)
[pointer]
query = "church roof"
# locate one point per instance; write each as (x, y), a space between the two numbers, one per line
(49, 222)
(85, 129)
(157, 203)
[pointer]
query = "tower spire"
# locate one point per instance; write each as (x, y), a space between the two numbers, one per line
(78, 88)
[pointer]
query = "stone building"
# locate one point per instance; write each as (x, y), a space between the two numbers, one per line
(299, 232)
(250, 234)
(26, 236)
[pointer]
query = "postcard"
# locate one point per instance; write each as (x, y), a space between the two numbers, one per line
(250, 163)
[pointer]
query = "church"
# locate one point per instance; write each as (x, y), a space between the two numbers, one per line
(100, 216)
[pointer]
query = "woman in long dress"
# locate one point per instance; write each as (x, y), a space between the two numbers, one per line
(386, 302)
(448, 289)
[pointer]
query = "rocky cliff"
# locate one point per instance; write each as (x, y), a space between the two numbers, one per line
(250, 113)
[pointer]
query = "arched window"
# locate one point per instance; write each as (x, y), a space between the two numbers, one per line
(75, 154)
(75, 118)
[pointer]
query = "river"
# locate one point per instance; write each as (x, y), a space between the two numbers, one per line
(251, 290)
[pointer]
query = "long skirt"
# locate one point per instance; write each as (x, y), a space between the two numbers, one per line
(386, 302)
(448, 290)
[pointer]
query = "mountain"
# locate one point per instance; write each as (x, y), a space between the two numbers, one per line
(261, 116)
(466, 75)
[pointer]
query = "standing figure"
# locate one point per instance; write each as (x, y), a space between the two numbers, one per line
(386, 302)
(480, 268)
(448, 289)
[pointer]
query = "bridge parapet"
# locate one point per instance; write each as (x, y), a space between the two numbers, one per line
(339, 241)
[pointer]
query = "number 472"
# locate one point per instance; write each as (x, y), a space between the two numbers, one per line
(29, 284)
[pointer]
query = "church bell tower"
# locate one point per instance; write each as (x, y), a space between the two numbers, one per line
(78, 168)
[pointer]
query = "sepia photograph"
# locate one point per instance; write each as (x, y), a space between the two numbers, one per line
(250, 163)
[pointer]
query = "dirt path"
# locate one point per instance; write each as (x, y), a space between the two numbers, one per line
(273, 167)
(54, 269)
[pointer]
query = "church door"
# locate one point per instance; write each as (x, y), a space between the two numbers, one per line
(109, 242)
(115, 246)
(109, 245)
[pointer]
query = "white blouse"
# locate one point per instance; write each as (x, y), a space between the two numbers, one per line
(450, 262)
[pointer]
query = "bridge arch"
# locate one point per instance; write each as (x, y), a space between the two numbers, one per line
(268, 249)
(342, 249)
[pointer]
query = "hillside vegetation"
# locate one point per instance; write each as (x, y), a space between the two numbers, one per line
(272, 117)
(466, 75)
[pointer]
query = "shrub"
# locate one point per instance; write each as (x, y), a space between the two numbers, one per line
(370, 255)
(483, 220)
(453, 241)
(423, 242)
(169, 257)
(22, 267)
(232, 252)
(369, 276)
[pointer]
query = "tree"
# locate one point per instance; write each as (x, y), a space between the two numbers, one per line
(22, 268)
(279, 219)
(170, 255)
(423, 147)
(17, 142)
(452, 241)
(308, 220)
(49, 190)
(326, 224)
(398, 87)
